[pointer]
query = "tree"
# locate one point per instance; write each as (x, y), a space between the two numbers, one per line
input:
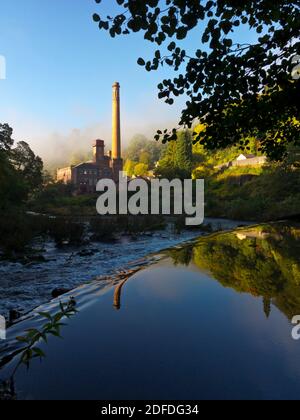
(28, 164)
(141, 169)
(177, 159)
(6, 140)
(184, 154)
(145, 158)
(129, 167)
(236, 90)
(166, 165)
(20, 170)
(142, 150)
(136, 145)
(267, 306)
(12, 187)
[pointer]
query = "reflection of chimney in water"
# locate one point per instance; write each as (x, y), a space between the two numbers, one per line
(117, 294)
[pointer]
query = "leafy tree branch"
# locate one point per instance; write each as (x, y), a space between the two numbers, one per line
(235, 90)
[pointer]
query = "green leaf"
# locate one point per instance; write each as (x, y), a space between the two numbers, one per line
(141, 62)
(96, 17)
(22, 339)
(45, 315)
(38, 351)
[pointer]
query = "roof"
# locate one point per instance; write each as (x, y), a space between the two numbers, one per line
(248, 156)
(89, 163)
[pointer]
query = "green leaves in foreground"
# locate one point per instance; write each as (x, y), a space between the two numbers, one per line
(52, 327)
(236, 90)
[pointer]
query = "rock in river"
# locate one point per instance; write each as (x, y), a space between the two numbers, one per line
(58, 292)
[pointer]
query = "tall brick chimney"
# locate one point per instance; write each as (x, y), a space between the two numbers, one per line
(117, 162)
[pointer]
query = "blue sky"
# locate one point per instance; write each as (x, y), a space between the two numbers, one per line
(60, 69)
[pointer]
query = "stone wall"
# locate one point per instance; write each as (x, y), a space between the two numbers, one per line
(257, 161)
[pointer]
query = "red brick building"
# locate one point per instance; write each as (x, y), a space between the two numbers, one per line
(85, 176)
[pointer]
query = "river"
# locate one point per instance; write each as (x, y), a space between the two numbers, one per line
(210, 319)
(23, 288)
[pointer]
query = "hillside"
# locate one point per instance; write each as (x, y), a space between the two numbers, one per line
(258, 193)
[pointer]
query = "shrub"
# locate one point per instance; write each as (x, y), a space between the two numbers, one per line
(63, 230)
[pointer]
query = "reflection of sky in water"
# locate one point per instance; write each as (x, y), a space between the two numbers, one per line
(236, 324)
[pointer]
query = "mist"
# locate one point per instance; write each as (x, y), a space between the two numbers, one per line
(60, 148)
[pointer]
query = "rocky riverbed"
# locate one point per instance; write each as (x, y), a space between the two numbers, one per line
(26, 286)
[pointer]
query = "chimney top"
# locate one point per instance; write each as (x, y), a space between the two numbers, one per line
(98, 143)
(116, 84)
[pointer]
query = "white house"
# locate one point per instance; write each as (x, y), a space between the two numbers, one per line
(244, 160)
(245, 157)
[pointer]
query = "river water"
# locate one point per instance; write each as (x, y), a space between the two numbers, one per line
(23, 288)
(207, 320)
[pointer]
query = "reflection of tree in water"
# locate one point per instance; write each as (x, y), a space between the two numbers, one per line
(181, 256)
(7, 390)
(263, 261)
(267, 306)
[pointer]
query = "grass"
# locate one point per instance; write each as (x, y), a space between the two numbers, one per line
(260, 194)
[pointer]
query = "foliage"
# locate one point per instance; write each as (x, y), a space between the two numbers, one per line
(105, 229)
(58, 199)
(142, 150)
(16, 232)
(183, 155)
(20, 171)
(136, 169)
(177, 158)
(6, 141)
(30, 342)
(53, 193)
(129, 167)
(65, 231)
(13, 190)
(145, 158)
(237, 90)
(261, 194)
(141, 156)
(141, 169)
(102, 229)
(21, 176)
(263, 261)
(28, 165)
(52, 327)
